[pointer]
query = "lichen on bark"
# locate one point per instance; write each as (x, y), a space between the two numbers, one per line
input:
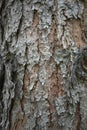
(39, 84)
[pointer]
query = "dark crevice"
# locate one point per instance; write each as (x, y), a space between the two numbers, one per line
(24, 85)
(14, 80)
(78, 116)
(34, 15)
(19, 28)
(20, 22)
(1, 20)
(2, 78)
(77, 120)
(21, 0)
(2, 31)
(10, 111)
(2, 6)
(14, 64)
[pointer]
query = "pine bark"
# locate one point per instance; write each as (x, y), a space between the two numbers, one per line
(43, 65)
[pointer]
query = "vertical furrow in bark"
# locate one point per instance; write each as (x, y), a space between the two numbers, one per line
(39, 41)
(77, 121)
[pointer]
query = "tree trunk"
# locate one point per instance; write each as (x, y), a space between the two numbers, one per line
(43, 65)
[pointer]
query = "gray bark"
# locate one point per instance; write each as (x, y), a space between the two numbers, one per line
(43, 65)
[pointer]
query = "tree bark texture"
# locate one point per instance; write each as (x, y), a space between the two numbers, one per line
(43, 65)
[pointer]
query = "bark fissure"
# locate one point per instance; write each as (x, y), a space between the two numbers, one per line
(2, 79)
(24, 89)
(77, 118)
(41, 86)
(1, 20)
(20, 23)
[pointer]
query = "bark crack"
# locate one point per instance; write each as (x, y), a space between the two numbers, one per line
(24, 84)
(2, 78)
(1, 20)
(77, 120)
(20, 23)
